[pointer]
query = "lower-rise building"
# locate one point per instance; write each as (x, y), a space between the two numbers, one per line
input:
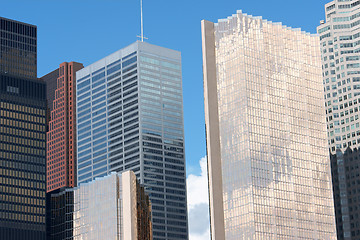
(111, 207)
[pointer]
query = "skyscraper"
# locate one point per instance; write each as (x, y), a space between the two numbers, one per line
(269, 174)
(339, 37)
(130, 117)
(22, 135)
(112, 207)
(18, 51)
(61, 136)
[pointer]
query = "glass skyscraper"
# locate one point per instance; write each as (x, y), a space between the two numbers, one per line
(18, 48)
(22, 158)
(340, 54)
(269, 173)
(130, 117)
(22, 135)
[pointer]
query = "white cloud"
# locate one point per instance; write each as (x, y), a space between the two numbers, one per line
(198, 204)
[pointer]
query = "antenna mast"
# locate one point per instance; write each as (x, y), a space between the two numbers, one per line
(142, 24)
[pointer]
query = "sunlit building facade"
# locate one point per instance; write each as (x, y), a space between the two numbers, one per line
(130, 117)
(340, 54)
(269, 173)
(112, 207)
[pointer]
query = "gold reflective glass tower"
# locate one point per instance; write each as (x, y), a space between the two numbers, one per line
(269, 173)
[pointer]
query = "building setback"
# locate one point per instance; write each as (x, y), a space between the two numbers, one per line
(61, 135)
(339, 37)
(111, 207)
(130, 117)
(269, 173)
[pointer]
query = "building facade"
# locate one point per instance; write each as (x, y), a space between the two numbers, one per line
(22, 135)
(61, 214)
(22, 158)
(18, 48)
(269, 174)
(61, 135)
(130, 117)
(111, 207)
(51, 85)
(339, 36)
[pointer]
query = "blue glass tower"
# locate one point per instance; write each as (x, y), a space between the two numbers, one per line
(130, 117)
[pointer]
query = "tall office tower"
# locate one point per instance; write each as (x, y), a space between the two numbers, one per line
(61, 136)
(112, 207)
(18, 48)
(22, 158)
(339, 37)
(22, 135)
(269, 173)
(130, 116)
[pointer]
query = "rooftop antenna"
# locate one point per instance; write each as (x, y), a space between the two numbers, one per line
(142, 22)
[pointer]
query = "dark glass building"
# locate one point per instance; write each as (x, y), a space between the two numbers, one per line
(22, 135)
(18, 48)
(22, 158)
(61, 214)
(346, 176)
(51, 85)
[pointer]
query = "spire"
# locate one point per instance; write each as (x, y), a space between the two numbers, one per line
(142, 22)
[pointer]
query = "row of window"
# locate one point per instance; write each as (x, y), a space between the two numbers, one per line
(21, 217)
(28, 111)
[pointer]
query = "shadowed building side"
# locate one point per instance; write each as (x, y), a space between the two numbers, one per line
(18, 48)
(22, 158)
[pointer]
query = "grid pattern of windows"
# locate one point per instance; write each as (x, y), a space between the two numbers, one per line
(22, 159)
(341, 63)
(163, 143)
(275, 171)
(105, 208)
(129, 113)
(18, 48)
(61, 219)
(341, 74)
(61, 141)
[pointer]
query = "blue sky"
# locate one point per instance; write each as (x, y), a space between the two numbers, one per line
(88, 30)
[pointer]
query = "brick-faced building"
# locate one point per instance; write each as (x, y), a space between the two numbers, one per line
(61, 135)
